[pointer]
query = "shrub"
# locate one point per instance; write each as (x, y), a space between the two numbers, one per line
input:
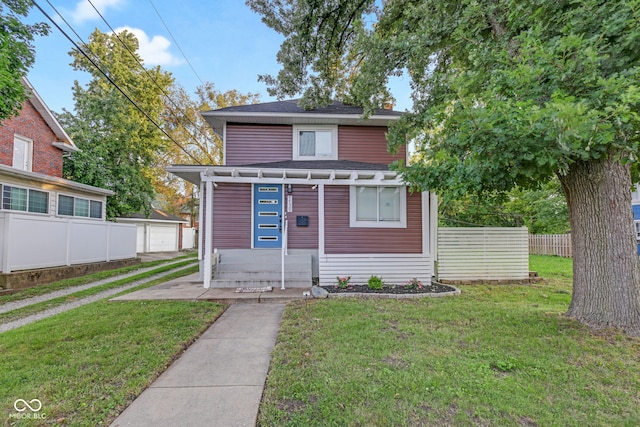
(343, 282)
(414, 284)
(375, 283)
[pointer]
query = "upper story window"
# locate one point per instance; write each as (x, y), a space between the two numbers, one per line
(24, 199)
(22, 152)
(384, 207)
(315, 142)
(76, 206)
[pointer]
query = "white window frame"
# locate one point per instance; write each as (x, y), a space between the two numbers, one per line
(89, 217)
(29, 190)
(353, 221)
(28, 152)
(636, 225)
(296, 141)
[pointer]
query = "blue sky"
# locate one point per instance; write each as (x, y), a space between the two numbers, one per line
(225, 42)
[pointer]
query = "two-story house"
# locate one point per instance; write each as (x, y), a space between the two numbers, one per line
(312, 183)
(45, 220)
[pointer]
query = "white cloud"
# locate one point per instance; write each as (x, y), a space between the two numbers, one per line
(85, 12)
(153, 50)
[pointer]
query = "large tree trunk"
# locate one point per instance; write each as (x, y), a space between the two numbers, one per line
(606, 266)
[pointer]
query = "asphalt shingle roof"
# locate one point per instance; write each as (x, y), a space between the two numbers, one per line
(291, 107)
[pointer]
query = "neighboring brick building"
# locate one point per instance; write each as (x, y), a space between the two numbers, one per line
(45, 220)
(34, 141)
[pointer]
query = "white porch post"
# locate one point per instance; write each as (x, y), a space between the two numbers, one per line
(321, 220)
(208, 238)
(201, 210)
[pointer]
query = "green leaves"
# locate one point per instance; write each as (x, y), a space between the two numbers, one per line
(16, 53)
(119, 144)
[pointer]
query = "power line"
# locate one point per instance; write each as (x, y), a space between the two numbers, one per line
(110, 80)
(176, 42)
(168, 97)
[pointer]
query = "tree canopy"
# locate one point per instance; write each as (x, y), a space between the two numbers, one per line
(16, 53)
(505, 93)
(198, 143)
(120, 144)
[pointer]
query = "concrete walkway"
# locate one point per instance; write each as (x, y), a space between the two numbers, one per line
(189, 288)
(219, 380)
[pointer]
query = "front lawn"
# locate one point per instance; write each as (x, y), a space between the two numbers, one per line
(495, 355)
(88, 364)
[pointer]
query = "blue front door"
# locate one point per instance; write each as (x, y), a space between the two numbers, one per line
(267, 216)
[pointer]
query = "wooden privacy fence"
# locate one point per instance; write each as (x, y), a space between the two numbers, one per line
(487, 253)
(550, 244)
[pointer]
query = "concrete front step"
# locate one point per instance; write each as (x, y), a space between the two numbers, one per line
(262, 275)
(221, 283)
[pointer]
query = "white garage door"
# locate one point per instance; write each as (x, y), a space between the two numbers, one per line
(164, 237)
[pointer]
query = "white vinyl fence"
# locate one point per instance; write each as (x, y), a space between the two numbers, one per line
(491, 253)
(33, 241)
(550, 244)
(188, 238)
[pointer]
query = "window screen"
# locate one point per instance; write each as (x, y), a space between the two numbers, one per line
(65, 205)
(95, 209)
(14, 198)
(81, 207)
(38, 201)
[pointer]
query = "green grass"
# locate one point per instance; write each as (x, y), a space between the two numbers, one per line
(550, 267)
(495, 356)
(44, 305)
(78, 281)
(88, 364)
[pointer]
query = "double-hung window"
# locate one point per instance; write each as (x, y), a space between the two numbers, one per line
(384, 207)
(315, 142)
(24, 199)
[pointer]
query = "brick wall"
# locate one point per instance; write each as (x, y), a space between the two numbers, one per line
(47, 159)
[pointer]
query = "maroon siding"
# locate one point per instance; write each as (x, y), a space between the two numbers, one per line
(305, 202)
(342, 239)
(366, 144)
(247, 144)
(46, 159)
(232, 216)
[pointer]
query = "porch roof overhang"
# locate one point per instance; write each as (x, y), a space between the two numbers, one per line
(273, 175)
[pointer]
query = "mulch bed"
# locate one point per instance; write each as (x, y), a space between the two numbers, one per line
(433, 288)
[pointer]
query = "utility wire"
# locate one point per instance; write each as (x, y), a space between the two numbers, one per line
(110, 80)
(135, 57)
(176, 42)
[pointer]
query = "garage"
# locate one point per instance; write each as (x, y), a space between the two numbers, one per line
(160, 232)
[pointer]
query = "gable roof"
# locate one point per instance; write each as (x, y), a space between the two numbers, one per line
(65, 143)
(289, 113)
